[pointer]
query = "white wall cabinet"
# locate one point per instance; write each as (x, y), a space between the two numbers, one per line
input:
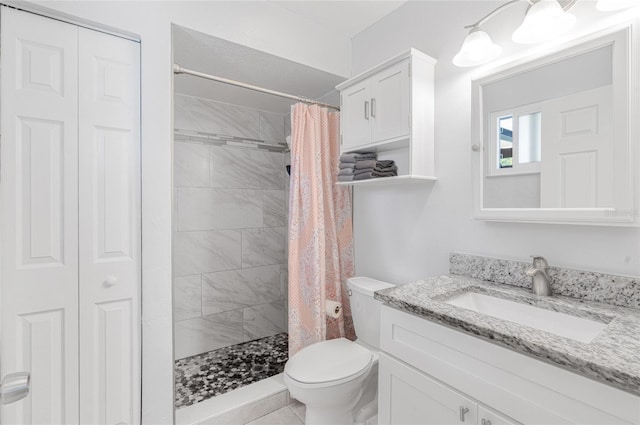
(428, 373)
(389, 110)
(70, 221)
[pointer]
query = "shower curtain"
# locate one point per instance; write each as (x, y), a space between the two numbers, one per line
(320, 230)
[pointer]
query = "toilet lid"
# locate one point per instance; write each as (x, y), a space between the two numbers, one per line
(328, 361)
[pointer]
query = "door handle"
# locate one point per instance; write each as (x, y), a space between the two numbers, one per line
(110, 281)
(373, 107)
(366, 109)
(14, 387)
(463, 412)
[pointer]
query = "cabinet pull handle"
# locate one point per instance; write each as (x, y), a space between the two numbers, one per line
(366, 109)
(373, 107)
(463, 412)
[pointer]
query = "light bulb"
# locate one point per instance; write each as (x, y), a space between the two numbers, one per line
(543, 21)
(476, 49)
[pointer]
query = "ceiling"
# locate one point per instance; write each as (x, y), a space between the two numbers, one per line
(212, 55)
(345, 17)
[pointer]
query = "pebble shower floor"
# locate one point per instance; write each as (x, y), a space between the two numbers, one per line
(219, 371)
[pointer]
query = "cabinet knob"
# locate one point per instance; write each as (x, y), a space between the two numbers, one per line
(463, 412)
(485, 422)
(110, 281)
(475, 148)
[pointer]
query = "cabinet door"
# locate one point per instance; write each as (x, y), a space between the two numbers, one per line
(356, 115)
(39, 210)
(407, 396)
(109, 220)
(488, 416)
(390, 103)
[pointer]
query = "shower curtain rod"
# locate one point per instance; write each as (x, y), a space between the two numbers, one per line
(177, 69)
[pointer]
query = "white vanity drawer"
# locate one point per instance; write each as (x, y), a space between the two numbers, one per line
(526, 389)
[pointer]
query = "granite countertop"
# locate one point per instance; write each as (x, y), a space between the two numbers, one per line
(613, 357)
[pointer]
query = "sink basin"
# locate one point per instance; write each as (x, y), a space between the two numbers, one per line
(561, 324)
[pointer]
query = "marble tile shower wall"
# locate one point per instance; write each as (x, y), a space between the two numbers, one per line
(229, 246)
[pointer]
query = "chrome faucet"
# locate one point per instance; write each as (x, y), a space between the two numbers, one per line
(539, 276)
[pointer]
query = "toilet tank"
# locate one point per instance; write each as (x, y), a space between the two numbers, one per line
(365, 310)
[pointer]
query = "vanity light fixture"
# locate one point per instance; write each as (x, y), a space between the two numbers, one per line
(610, 5)
(476, 49)
(543, 20)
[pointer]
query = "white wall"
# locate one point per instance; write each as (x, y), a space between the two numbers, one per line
(260, 25)
(405, 233)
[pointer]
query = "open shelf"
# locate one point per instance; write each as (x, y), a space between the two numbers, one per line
(386, 181)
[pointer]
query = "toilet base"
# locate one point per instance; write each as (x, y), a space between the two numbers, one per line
(323, 416)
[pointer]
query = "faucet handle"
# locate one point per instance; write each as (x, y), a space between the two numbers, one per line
(539, 262)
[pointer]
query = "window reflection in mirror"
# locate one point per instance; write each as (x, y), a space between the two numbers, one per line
(505, 142)
(530, 138)
(552, 139)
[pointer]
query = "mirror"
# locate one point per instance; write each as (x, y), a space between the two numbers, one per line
(553, 135)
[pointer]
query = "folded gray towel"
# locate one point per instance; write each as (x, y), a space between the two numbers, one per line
(383, 163)
(345, 172)
(365, 170)
(364, 176)
(370, 163)
(353, 157)
(385, 169)
(349, 165)
(345, 178)
(373, 175)
(367, 163)
(376, 173)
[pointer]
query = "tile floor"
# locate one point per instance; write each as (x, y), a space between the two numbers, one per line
(200, 377)
(292, 414)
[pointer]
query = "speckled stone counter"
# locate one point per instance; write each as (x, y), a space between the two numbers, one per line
(613, 357)
(622, 291)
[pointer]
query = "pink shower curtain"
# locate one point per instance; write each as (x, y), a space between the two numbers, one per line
(320, 230)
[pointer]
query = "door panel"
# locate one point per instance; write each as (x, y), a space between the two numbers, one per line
(488, 416)
(390, 103)
(410, 397)
(109, 229)
(577, 169)
(38, 198)
(356, 115)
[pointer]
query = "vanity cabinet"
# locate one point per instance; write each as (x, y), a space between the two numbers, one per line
(430, 374)
(412, 397)
(389, 109)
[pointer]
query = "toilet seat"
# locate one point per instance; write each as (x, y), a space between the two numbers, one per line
(329, 363)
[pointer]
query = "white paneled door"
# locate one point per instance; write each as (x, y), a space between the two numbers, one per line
(577, 168)
(70, 221)
(39, 201)
(109, 183)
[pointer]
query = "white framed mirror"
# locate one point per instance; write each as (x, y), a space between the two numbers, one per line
(555, 138)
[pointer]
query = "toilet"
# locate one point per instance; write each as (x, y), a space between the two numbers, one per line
(337, 379)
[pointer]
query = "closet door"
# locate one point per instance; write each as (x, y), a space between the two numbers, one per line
(39, 215)
(109, 187)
